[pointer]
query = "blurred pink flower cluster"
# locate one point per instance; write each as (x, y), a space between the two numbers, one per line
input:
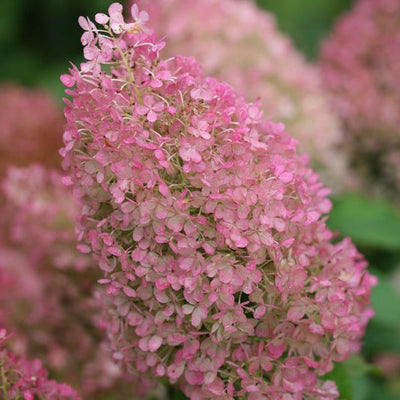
(31, 127)
(361, 67)
(28, 380)
(46, 285)
(236, 42)
(48, 298)
(220, 273)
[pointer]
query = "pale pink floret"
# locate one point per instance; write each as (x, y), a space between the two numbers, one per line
(360, 64)
(219, 269)
(237, 42)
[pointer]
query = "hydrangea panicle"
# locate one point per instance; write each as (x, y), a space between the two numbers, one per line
(360, 64)
(219, 269)
(237, 42)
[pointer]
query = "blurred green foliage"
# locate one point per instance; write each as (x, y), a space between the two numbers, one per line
(38, 38)
(306, 22)
(371, 223)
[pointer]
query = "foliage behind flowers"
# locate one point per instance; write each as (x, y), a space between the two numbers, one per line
(220, 271)
(235, 41)
(361, 66)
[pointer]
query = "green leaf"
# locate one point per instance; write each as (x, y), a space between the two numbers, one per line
(361, 385)
(372, 223)
(340, 375)
(383, 331)
(379, 389)
(357, 366)
(385, 302)
(381, 337)
(306, 22)
(175, 394)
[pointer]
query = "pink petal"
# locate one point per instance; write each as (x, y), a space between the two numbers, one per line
(135, 12)
(252, 389)
(242, 242)
(144, 344)
(151, 116)
(156, 83)
(287, 243)
(185, 263)
(158, 107)
(130, 292)
(142, 110)
(175, 371)
(186, 153)
(83, 248)
(164, 189)
(217, 387)
(163, 75)
(148, 100)
(194, 377)
(83, 22)
(342, 346)
(259, 312)
(286, 177)
(296, 312)
(198, 314)
(90, 52)
(67, 80)
(67, 181)
(171, 110)
(315, 328)
(155, 343)
(115, 251)
(115, 10)
(275, 351)
(187, 308)
(175, 223)
(225, 275)
(143, 17)
(101, 18)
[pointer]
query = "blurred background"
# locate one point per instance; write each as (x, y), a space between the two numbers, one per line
(37, 41)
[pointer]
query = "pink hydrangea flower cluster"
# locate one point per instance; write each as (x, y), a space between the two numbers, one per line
(361, 67)
(220, 272)
(31, 126)
(46, 285)
(237, 42)
(41, 213)
(28, 380)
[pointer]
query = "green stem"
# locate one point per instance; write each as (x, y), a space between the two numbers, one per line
(127, 66)
(3, 381)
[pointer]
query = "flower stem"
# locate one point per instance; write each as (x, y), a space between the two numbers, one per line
(3, 381)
